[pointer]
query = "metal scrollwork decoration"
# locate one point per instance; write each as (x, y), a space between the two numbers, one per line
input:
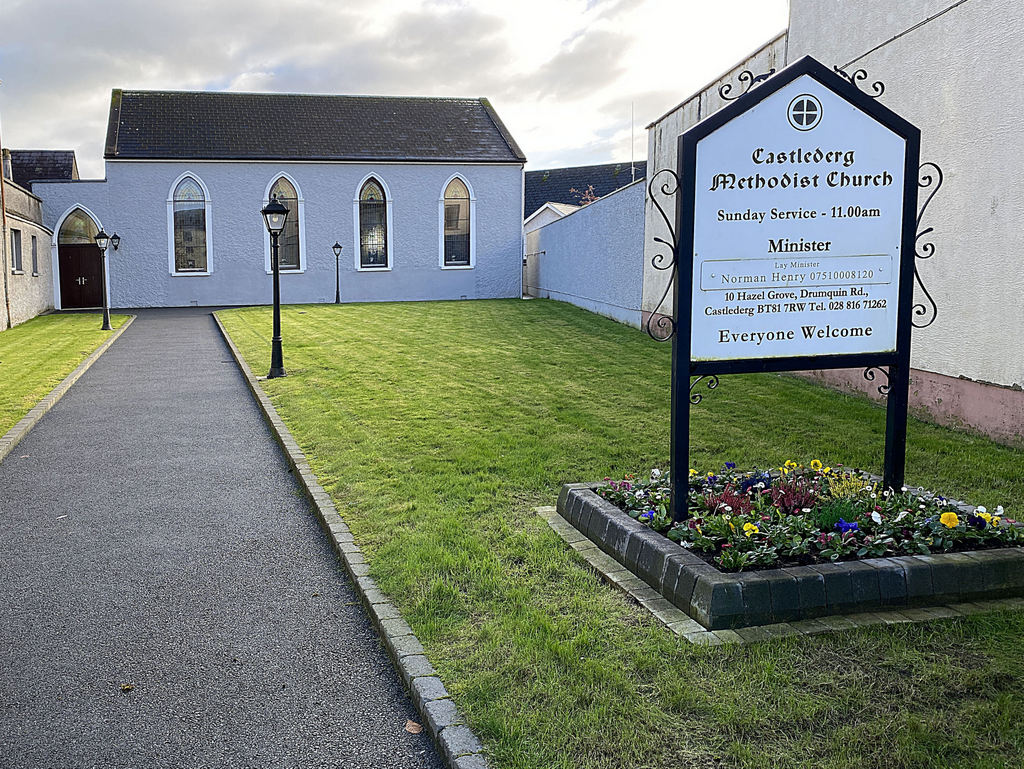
(877, 87)
(869, 375)
(929, 178)
(696, 398)
(747, 80)
(661, 327)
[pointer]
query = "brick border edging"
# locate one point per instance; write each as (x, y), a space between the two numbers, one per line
(693, 632)
(456, 742)
(720, 600)
(13, 437)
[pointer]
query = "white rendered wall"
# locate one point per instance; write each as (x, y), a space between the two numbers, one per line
(944, 75)
(133, 202)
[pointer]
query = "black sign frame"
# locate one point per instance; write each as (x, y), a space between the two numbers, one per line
(897, 361)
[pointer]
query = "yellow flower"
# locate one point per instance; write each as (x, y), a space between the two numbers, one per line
(949, 520)
(790, 463)
(827, 470)
(816, 464)
(731, 526)
(693, 473)
(749, 528)
(995, 521)
(987, 517)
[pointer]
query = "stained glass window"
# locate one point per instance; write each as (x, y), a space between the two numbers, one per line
(78, 229)
(373, 226)
(456, 224)
(288, 241)
(189, 227)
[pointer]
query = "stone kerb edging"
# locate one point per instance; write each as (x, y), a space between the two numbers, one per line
(720, 600)
(13, 436)
(458, 745)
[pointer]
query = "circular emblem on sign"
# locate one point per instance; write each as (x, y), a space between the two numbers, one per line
(804, 112)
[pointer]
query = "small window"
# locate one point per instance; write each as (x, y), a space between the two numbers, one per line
(456, 224)
(35, 255)
(189, 227)
(16, 251)
(78, 230)
(373, 226)
(288, 241)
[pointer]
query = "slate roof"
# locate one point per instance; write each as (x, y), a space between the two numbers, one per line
(208, 125)
(30, 165)
(555, 184)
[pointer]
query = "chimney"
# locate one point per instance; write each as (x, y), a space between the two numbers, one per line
(7, 164)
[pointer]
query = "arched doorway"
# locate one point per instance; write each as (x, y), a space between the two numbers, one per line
(79, 262)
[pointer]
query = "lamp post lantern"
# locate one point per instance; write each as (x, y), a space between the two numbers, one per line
(274, 215)
(102, 239)
(337, 272)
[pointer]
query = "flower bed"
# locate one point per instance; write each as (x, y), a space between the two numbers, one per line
(797, 515)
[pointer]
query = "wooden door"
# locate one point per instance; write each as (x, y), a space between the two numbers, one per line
(81, 277)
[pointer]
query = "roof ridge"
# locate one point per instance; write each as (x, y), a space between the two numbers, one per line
(161, 91)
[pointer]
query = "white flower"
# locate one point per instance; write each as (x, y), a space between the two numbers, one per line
(655, 474)
(981, 509)
(806, 510)
(728, 508)
(904, 489)
(874, 496)
(876, 517)
(999, 509)
(920, 507)
(903, 514)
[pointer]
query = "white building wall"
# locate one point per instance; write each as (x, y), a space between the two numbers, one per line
(942, 72)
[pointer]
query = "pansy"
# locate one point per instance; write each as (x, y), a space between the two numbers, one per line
(949, 520)
(845, 526)
(655, 473)
(876, 517)
(693, 473)
(749, 529)
(730, 465)
(816, 464)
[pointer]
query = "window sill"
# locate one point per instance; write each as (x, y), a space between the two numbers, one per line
(457, 266)
(17, 272)
(35, 274)
(287, 272)
(373, 269)
(196, 274)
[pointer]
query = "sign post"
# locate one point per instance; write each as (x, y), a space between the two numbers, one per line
(796, 228)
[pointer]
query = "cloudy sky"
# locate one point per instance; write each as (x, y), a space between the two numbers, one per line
(561, 73)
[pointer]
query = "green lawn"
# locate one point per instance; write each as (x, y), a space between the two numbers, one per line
(437, 427)
(37, 354)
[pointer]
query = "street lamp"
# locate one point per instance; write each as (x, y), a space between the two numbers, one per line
(337, 272)
(102, 239)
(115, 240)
(275, 214)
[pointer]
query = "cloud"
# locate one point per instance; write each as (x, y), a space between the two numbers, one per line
(562, 74)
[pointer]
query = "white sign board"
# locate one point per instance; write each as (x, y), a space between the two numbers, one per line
(797, 222)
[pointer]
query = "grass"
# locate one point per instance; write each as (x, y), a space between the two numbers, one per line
(438, 427)
(37, 354)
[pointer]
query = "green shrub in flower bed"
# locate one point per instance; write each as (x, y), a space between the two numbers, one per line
(800, 515)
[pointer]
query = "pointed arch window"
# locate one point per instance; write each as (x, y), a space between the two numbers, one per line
(78, 229)
(189, 230)
(189, 227)
(373, 226)
(457, 225)
(289, 242)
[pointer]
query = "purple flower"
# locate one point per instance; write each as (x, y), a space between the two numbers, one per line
(845, 527)
(646, 516)
(730, 465)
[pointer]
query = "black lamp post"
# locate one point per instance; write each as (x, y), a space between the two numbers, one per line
(337, 272)
(275, 214)
(101, 240)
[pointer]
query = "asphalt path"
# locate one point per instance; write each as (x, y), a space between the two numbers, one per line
(152, 537)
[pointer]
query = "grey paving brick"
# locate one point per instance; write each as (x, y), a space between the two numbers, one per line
(458, 740)
(427, 688)
(441, 713)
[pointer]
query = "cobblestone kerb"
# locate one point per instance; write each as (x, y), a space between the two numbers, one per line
(13, 437)
(456, 741)
(718, 600)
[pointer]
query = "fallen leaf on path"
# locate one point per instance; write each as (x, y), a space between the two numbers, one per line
(412, 727)
(127, 687)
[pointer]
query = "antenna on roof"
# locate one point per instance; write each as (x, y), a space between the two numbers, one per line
(632, 144)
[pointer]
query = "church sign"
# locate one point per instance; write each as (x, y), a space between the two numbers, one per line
(796, 227)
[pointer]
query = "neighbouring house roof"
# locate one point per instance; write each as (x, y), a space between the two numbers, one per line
(561, 209)
(555, 184)
(31, 165)
(206, 125)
